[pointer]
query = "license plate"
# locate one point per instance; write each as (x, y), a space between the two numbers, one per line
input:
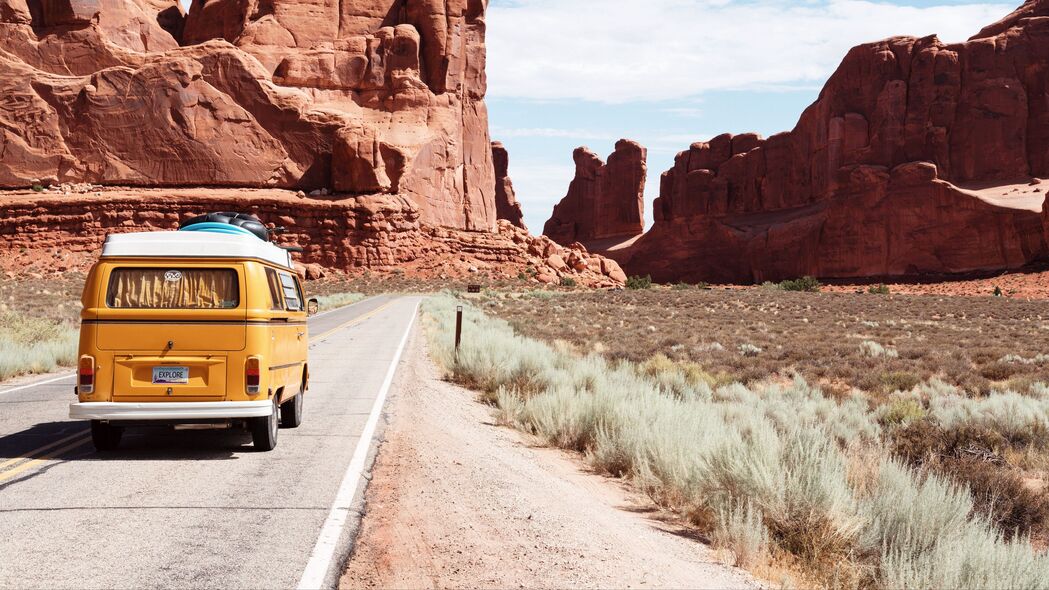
(170, 375)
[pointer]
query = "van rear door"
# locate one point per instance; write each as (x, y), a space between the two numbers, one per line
(169, 328)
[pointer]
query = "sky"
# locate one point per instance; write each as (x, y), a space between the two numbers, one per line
(667, 73)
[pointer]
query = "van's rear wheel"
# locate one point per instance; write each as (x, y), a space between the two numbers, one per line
(264, 430)
(291, 412)
(105, 436)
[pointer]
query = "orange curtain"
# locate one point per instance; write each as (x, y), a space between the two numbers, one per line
(158, 288)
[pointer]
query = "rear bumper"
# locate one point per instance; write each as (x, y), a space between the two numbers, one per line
(170, 410)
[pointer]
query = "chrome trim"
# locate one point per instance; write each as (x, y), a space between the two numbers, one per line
(169, 410)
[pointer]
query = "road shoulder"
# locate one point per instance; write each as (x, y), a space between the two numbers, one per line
(456, 501)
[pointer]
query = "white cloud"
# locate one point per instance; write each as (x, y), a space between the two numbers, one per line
(626, 50)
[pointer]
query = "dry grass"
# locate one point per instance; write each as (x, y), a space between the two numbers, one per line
(701, 399)
(977, 344)
(39, 328)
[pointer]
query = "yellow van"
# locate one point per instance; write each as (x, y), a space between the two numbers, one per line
(205, 325)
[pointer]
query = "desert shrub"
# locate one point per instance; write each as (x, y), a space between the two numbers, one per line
(638, 282)
(683, 380)
(1000, 494)
(927, 538)
(38, 188)
(760, 465)
(742, 530)
(568, 282)
(971, 456)
(916, 443)
(891, 381)
(901, 411)
(880, 289)
(1020, 419)
(999, 371)
(749, 350)
(874, 350)
(805, 284)
(1038, 359)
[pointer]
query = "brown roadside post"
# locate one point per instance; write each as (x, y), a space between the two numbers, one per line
(458, 329)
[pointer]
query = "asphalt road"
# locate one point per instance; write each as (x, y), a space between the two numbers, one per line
(200, 509)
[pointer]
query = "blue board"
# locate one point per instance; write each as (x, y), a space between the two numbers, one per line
(219, 228)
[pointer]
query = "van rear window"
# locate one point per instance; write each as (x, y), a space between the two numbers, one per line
(173, 288)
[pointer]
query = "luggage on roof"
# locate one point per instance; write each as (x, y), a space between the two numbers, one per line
(227, 222)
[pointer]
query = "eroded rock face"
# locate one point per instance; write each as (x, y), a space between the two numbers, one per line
(42, 233)
(870, 182)
(506, 205)
(604, 200)
(357, 97)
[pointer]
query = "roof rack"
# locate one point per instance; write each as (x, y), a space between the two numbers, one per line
(201, 243)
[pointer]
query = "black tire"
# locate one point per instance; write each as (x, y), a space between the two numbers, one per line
(264, 430)
(291, 411)
(105, 436)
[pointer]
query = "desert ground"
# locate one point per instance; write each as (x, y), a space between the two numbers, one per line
(470, 489)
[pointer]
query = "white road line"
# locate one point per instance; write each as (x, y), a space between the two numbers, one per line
(320, 560)
(29, 385)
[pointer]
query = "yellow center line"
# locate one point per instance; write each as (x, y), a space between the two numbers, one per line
(355, 320)
(30, 454)
(15, 471)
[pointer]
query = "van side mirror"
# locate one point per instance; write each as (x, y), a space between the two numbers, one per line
(312, 307)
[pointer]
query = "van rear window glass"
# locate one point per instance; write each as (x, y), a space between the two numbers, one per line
(173, 288)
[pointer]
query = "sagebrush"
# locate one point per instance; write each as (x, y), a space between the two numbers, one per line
(772, 467)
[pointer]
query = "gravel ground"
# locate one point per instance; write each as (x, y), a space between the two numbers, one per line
(458, 502)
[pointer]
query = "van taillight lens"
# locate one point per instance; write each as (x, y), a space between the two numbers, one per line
(252, 374)
(86, 375)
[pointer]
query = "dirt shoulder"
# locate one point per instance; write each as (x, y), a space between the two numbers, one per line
(456, 501)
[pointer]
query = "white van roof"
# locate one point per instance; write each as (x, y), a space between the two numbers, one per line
(183, 244)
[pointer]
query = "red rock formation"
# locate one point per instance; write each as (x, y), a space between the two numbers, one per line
(604, 200)
(506, 205)
(364, 96)
(59, 232)
(867, 184)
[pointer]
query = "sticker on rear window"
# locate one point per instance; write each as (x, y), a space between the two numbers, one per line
(173, 276)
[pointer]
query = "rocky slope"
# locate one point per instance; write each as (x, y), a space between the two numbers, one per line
(365, 104)
(908, 164)
(44, 232)
(604, 200)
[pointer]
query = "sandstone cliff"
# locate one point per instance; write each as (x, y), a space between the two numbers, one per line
(604, 200)
(373, 107)
(506, 205)
(373, 96)
(913, 161)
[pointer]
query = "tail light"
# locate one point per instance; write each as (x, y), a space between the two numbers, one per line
(86, 375)
(252, 374)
